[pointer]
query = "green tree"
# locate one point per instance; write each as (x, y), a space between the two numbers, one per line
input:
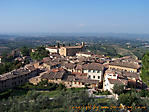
(25, 51)
(118, 89)
(39, 54)
(145, 68)
(129, 99)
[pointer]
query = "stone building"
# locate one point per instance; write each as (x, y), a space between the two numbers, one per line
(129, 79)
(52, 49)
(51, 65)
(84, 54)
(17, 77)
(71, 50)
(69, 80)
(125, 66)
(78, 82)
(109, 84)
(54, 76)
(94, 71)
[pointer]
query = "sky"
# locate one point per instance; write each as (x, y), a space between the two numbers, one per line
(72, 16)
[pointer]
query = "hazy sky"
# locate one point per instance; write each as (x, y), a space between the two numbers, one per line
(119, 16)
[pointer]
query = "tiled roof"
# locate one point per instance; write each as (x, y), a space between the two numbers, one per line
(115, 81)
(14, 73)
(79, 67)
(131, 75)
(93, 66)
(88, 81)
(125, 64)
(70, 65)
(123, 74)
(52, 63)
(46, 59)
(54, 75)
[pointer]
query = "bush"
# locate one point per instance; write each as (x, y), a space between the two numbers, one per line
(118, 89)
(102, 93)
(129, 99)
(144, 93)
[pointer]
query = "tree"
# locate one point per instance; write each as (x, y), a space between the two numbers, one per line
(144, 93)
(25, 51)
(39, 54)
(118, 89)
(145, 69)
(129, 99)
(145, 61)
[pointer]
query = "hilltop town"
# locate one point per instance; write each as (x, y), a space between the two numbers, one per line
(74, 56)
(74, 68)
(73, 75)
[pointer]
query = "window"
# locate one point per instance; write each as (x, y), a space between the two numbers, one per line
(89, 76)
(94, 77)
(98, 71)
(98, 77)
(94, 71)
(89, 70)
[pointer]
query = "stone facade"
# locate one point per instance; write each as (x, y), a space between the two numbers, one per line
(123, 68)
(70, 50)
(83, 54)
(16, 77)
(52, 49)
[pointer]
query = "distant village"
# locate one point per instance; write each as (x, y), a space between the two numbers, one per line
(74, 68)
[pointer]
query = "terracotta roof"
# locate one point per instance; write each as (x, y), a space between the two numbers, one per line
(125, 64)
(115, 81)
(88, 81)
(46, 59)
(56, 55)
(131, 75)
(57, 69)
(93, 66)
(52, 63)
(123, 74)
(14, 73)
(80, 75)
(79, 67)
(70, 65)
(54, 75)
